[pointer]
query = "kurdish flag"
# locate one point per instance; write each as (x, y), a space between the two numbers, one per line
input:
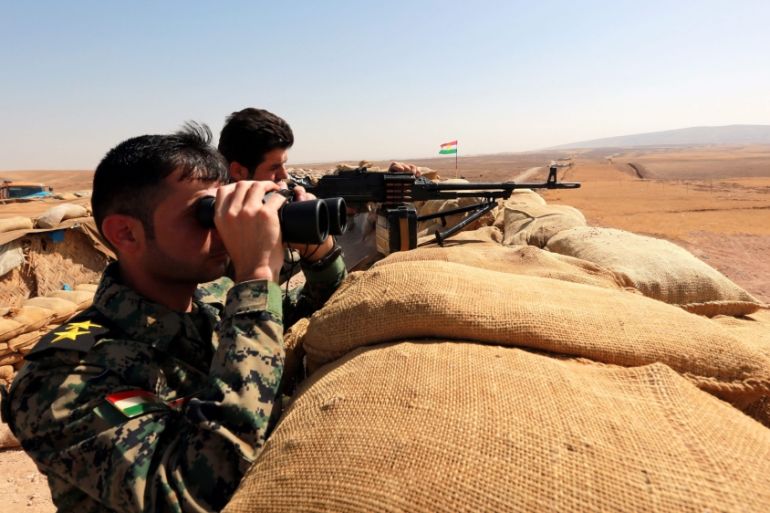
(448, 148)
(133, 403)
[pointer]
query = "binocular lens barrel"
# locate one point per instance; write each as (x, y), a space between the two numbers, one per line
(306, 222)
(338, 215)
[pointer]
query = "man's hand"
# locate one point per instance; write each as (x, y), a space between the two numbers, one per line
(402, 167)
(250, 229)
(310, 252)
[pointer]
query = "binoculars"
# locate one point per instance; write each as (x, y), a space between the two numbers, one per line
(306, 222)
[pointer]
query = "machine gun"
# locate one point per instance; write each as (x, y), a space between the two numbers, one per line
(397, 191)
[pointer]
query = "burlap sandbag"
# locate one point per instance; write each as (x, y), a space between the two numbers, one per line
(9, 328)
(26, 341)
(90, 287)
(15, 223)
(754, 330)
(536, 224)
(527, 260)
(455, 427)
(34, 317)
(402, 300)
(462, 238)
(62, 308)
(658, 268)
(10, 358)
(55, 215)
(81, 298)
(519, 198)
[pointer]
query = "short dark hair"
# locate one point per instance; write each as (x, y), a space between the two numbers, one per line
(250, 133)
(129, 178)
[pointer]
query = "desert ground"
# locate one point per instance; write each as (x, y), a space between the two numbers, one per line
(714, 201)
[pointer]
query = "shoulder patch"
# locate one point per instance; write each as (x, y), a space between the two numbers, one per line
(133, 403)
(73, 336)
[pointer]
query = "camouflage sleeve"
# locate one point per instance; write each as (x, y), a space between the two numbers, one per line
(320, 284)
(151, 455)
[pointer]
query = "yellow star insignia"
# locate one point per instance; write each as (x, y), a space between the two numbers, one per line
(74, 330)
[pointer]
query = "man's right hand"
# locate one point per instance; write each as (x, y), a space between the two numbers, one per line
(250, 229)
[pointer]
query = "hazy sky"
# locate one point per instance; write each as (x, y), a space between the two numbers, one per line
(375, 80)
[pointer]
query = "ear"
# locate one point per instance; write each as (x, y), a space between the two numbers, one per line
(238, 172)
(125, 233)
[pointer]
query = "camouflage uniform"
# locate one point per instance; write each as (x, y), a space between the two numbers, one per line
(204, 385)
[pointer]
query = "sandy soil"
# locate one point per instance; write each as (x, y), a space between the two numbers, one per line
(713, 201)
(22, 487)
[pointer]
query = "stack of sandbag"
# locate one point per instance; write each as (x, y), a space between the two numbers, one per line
(658, 269)
(55, 215)
(434, 426)
(527, 260)
(439, 386)
(22, 327)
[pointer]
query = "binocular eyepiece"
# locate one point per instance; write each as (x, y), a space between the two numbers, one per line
(306, 222)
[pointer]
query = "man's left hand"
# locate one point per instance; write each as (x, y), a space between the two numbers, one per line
(402, 167)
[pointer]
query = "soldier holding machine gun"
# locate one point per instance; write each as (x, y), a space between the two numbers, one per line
(153, 400)
(256, 143)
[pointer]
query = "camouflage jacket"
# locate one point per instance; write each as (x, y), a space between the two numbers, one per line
(134, 407)
(299, 302)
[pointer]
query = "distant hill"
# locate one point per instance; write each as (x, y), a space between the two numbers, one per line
(699, 135)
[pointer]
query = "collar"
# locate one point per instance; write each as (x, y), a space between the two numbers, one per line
(141, 319)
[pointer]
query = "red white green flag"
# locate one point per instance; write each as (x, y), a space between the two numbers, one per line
(133, 403)
(448, 148)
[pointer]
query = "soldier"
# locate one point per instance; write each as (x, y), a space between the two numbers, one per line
(153, 400)
(256, 144)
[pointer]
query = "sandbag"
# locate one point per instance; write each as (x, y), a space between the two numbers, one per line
(485, 234)
(527, 260)
(402, 300)
(67, 196)
(536, 224)
(62, 308)
(9, 328)
(81, 298)
(33, 317)
(90, 287)
(519, 198)
(459, 427)
(754, 329)
(55, 215)
(659, 269)
(10, 358)
(10, 224)
(26, 341)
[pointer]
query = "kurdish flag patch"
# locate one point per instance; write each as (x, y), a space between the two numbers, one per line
(133, 403)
